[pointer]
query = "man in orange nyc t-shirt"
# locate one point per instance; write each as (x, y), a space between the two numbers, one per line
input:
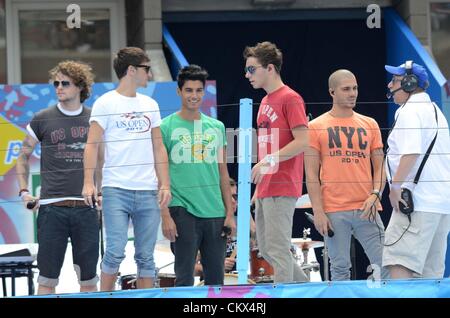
(346, 198)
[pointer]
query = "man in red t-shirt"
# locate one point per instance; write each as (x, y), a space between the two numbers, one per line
(282, 138)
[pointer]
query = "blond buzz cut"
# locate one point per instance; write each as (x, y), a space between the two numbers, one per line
(335, 79)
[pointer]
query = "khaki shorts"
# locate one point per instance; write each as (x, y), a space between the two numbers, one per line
(422, 247)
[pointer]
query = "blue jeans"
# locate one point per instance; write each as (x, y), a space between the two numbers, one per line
(371, 237)
(119, 205)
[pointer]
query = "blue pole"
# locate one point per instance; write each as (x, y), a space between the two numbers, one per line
(245, 165)
(447, 260)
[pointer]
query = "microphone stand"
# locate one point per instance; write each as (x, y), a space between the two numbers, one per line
(353, 257)
(102, 244)
(326, 271)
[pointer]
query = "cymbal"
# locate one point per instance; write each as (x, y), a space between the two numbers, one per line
(303, 202)
(306, 244)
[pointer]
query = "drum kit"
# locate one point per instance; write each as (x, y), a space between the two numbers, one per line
(163, 279)
(262, 271)
(127, 281)
(304, 244)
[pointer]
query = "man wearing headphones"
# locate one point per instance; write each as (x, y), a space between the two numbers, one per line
(416, 243)
(344, 147)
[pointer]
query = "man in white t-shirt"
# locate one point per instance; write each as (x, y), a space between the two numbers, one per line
(135, 174)
(415, 244)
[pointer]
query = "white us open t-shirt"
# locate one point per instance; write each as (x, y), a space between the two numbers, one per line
(127, 124)
(414, 129)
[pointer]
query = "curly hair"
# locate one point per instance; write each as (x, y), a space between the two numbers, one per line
(80, 73)
(266, 53)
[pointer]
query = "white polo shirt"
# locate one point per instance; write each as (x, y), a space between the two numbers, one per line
(414, 130)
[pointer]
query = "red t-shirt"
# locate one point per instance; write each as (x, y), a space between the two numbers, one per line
(280, 112)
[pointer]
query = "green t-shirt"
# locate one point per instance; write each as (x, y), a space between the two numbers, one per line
(192, 147)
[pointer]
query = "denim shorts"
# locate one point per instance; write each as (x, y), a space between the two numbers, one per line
(141, 206)
(55, 225)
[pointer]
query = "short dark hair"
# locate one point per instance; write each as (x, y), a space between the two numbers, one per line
(128, 56)
(191, 73)
(266, 53)
(79, 72)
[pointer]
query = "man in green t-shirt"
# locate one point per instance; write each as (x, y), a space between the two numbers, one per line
(201, 206)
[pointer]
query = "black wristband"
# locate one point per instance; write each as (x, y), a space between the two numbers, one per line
(21, 191)
(377, 193)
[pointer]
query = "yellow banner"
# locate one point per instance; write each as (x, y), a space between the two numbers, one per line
(11, 138)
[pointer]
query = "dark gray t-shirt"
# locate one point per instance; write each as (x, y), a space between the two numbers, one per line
(63, 139)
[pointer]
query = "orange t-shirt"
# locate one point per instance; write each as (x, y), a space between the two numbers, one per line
(345, 145)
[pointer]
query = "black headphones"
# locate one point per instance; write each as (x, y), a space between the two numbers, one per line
(410, 82)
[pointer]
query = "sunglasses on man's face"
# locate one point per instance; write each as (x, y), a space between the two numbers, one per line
(251, 69)
(146, 67)
(63, 83)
